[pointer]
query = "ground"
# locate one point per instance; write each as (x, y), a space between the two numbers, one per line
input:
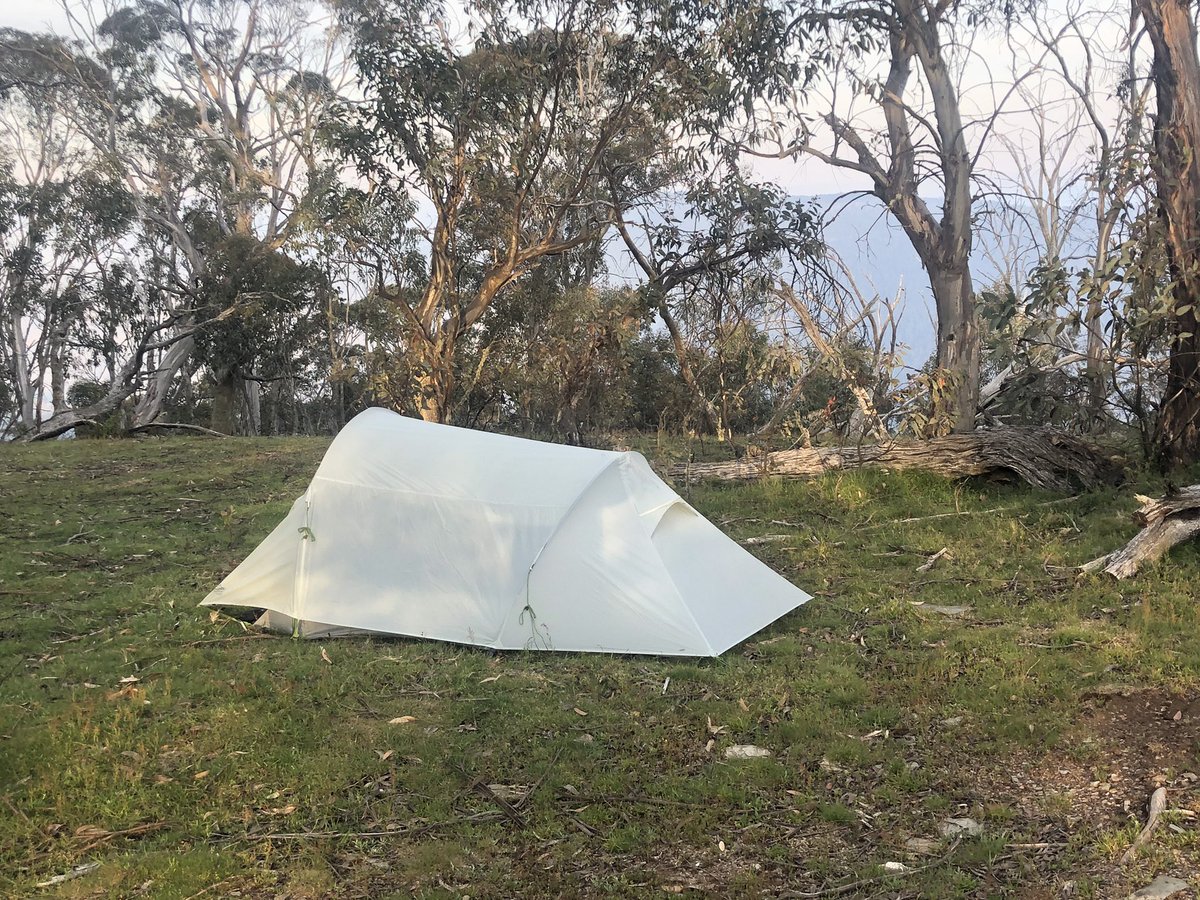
(191, 757)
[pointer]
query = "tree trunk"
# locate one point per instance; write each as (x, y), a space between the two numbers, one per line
(1176, 72)
(252, 392)
(150, 406)
(433, 393)
(1041, 457)
(224, 402)
(24, 389)
(1165, 523)
(957, 350)
(58, 375)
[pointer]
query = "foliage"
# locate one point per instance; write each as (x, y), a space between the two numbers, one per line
(259, 307)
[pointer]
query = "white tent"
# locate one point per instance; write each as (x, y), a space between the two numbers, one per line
(439, 532)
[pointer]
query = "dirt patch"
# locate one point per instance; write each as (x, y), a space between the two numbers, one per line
(1099, 777)
(1127, 743)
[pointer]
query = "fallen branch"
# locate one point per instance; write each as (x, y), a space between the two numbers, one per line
(1158, 804)
(1166, 522)
(932, 561)
(179, 426)
(1041, 457)
(855, 885)
(93, 836)
(406, 831)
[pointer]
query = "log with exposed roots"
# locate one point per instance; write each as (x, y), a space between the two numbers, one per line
(1040, 456)
(1165, 522)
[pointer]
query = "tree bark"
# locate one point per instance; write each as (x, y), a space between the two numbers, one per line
(20, 364)
(957, 348)
(1041, 457)
(152, 401)
(1165, 523)
(224, 402)
(434, 389)
(252, 394)
(1176, 73)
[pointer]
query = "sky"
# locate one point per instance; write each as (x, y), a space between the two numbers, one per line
(863, 235)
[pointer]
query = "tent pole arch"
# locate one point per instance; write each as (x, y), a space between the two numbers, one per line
(550, 537)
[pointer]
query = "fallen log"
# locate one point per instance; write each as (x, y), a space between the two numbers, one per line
(1041, 457)
(1165, 522)
(175, 426)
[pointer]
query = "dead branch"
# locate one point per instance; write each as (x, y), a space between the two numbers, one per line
(856, 885)
(1158, 804)
(1165, 522)
(179, 426)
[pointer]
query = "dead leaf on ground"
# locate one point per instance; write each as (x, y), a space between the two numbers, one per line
(130, 691)
(402, 720)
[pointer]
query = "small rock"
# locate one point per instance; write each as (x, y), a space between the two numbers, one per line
(746, 751)
(1160, 888)
(961, 826)
(924, 846)
(895, 868)
(584, 739)
(952, 722)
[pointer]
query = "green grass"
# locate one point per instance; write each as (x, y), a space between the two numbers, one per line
(883, 717)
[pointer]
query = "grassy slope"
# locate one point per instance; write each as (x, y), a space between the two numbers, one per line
(105, 549)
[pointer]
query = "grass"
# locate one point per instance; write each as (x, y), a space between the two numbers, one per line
(173, 749)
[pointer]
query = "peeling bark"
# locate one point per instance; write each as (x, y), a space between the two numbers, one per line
(1165, 522)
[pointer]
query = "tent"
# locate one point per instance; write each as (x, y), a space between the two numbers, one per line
(433, 531)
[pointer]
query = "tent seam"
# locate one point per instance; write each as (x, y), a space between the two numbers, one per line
(546, 543)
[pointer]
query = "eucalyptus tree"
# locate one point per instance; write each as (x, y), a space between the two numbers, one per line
(886, 76)
(1171, 25)
(509, 134)
(707, 252)
(65, 229)
(211, 111)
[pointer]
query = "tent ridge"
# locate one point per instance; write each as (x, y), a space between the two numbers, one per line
(412, 493)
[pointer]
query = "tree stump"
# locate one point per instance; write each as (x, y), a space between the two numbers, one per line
(1041, 457)
(1165, 522)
